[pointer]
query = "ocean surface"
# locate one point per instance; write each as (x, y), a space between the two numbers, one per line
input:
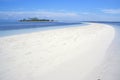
(13, 28)
(8, 28)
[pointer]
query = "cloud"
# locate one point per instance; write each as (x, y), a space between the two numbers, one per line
(111, 11)
(41, 14)
(60, 15)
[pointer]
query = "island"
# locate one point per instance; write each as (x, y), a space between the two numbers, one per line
(35, 20)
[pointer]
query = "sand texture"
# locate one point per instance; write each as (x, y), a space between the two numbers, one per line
(60, 54)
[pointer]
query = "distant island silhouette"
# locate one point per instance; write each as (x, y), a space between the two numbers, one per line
(35, 20)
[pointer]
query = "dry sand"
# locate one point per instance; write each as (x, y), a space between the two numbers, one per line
(60, 54)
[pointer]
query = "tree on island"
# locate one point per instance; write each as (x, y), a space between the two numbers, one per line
(36, 19)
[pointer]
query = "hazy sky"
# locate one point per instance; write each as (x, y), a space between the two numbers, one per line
(70, 10)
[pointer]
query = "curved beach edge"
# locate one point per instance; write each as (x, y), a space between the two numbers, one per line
(61, 54)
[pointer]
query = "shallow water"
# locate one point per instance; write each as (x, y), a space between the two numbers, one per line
(14, 28)
(27, 25)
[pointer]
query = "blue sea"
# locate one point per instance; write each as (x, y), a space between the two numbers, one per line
(8, 28)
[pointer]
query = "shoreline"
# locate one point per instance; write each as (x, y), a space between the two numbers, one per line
(60, 54)
(6, 33)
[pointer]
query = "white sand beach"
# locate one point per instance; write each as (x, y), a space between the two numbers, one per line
(60, 54)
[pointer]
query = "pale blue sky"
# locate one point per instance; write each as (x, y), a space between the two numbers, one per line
(64, 10)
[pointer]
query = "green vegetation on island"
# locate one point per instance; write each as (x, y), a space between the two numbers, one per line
(35, 20)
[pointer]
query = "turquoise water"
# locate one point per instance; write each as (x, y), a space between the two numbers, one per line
(27, 25)
(13, 28)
